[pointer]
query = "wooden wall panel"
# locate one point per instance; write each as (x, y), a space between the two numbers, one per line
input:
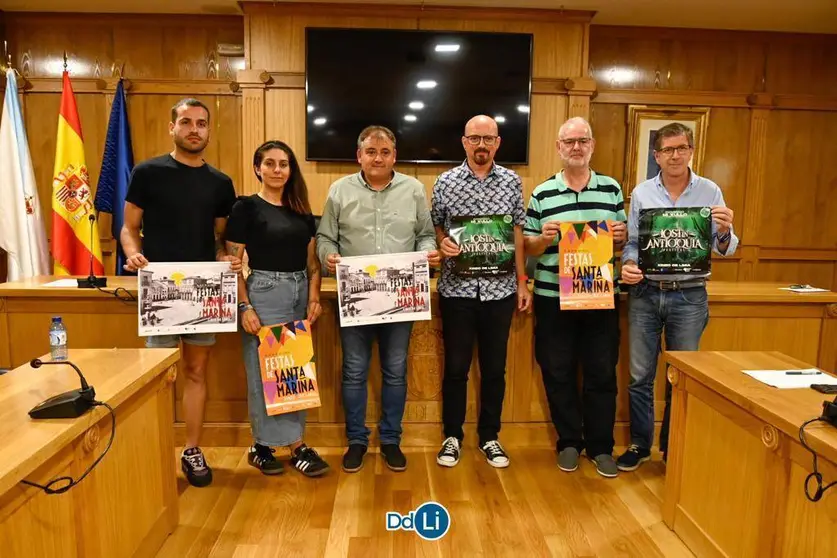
(802, 64)
(674, 59)
(150, 46)
(800, 181)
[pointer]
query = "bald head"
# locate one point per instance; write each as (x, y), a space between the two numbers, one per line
(481, 125)
(481, 140)
(575, 126)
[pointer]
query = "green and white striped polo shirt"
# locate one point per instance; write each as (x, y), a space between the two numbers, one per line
(553, 200)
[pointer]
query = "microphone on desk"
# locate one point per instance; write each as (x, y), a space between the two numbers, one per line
(92, 282)
(70, 404)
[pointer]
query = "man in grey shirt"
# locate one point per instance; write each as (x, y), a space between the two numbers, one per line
(676, 302)
(375, 211)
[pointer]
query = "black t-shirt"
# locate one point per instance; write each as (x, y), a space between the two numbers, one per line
(276, 237)
(180, 204)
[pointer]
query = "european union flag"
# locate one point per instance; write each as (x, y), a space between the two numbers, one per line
(117, 163)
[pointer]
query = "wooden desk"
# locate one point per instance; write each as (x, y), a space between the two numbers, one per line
(128, 504)
(736, 469)
(744, 316)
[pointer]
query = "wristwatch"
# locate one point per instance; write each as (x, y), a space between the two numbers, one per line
(244, 306)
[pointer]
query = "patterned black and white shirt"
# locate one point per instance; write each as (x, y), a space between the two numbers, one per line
(458, 192)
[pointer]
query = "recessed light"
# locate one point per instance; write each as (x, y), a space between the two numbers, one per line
(447, 48)
(499, 119)
(410, 117)
(523, 108)
(310, 108)
(416, 105)
(320, 121)
(426, 84)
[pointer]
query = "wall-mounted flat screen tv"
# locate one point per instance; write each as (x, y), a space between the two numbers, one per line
(423, 85)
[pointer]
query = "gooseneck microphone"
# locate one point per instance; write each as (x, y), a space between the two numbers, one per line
(70, 404)
(92, 282)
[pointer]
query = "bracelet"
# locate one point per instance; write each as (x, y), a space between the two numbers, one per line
(725, 237)
(244, 306)
(523, 278)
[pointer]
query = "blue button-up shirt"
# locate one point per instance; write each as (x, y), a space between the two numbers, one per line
(701, 192)
(458, 192)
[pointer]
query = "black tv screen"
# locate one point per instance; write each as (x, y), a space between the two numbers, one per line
(423, 85)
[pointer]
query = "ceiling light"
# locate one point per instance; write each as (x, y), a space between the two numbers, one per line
(523, 108)
(310, 108)
(447, 48)
(410, 117)
(426, 84)
(499, 119)
(416, 105)
(320, 121)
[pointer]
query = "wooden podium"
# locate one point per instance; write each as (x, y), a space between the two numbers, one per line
(128, 504)
(736, 469)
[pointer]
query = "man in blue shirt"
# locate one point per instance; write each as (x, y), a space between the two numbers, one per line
(477, 308)
(676, 302)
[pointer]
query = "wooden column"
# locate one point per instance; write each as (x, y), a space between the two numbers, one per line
(252, 84)
(580, 90)
(748, 232)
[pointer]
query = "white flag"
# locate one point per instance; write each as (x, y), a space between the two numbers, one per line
(22, 231)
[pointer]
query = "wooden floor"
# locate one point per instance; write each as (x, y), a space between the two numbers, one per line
(530, 509)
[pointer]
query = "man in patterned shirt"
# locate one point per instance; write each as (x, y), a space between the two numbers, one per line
(563, 338)
(477, 307)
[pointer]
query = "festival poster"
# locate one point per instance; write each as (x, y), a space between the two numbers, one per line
(289, 375)
(487, 244)
(675, 240)
(585, 254)
(187, 297)
(383, 288)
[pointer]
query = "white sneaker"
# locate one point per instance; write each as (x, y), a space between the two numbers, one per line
(495, 454)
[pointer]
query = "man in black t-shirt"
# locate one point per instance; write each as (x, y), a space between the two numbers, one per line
(181, 205)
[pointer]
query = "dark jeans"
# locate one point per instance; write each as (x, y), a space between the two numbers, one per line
(684, 315)
(393, 342)
(465, 320)
(563, 339)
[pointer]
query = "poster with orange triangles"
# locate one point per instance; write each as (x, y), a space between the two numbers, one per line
(585, 266)
(289, 373)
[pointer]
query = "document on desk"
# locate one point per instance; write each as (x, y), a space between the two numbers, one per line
(61, 283)
(791, 379)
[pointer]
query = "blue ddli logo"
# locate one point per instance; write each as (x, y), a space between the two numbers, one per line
(430, 520)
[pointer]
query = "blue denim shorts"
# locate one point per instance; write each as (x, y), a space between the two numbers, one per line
(277, 297)
(172, 341)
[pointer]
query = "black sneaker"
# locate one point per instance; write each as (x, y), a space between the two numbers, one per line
(633, 458)
(394, 457)
(261, 457)
(195, 468)
(495, 454)
(308, 462)
(448, 456)
(353, 458)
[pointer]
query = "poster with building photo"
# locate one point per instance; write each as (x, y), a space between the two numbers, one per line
(675, 240)
(191, 297)
(383, 288)
(486, 243)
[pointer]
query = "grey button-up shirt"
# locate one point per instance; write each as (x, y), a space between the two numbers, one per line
(360, 221)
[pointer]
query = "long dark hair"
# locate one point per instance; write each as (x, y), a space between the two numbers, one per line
(295, 193)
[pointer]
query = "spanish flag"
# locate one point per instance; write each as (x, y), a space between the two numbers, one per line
(73, 217)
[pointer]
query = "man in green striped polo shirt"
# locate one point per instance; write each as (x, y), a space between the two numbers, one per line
(563, 338)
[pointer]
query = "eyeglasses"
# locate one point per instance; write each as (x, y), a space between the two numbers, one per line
(681, 150)
(570, 142)
(475, 140)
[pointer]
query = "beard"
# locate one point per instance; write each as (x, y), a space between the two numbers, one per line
(189, 147)
(481, 157)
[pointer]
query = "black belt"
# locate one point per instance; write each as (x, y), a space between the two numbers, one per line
(677, 285)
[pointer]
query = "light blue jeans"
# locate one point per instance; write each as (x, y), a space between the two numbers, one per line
(683, 315)
(277, 298)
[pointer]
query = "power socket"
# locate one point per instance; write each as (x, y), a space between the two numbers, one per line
(829, 412)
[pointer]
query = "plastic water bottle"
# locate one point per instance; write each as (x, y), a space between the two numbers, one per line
(57, 339)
